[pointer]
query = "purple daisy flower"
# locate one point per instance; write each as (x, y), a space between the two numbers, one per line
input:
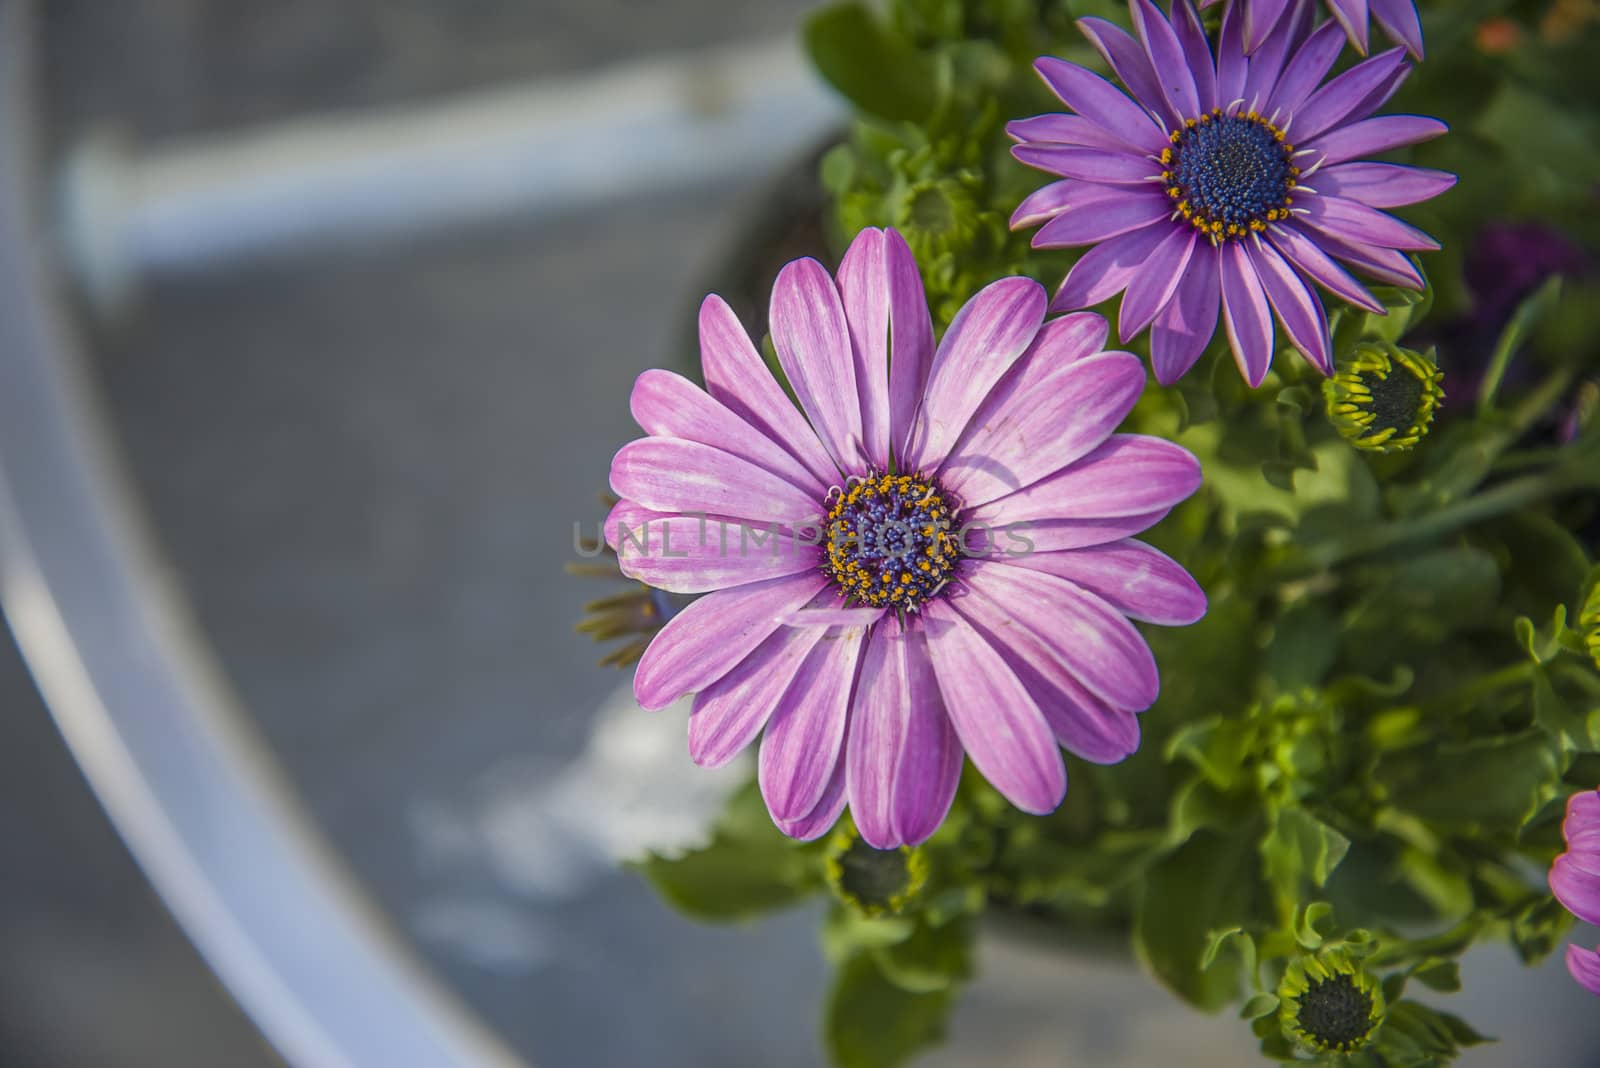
(1575, 880)
(1232, 182)
(1397, 17)
(845, 614)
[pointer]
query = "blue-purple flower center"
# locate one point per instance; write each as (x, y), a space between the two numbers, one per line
(891, 542)
(1229, 175)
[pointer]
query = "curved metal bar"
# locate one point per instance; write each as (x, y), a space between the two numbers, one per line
(176, 764)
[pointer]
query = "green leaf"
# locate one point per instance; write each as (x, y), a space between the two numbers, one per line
(1517, 330)
(1305, 644)
(1437, 974)
(1576, 728)
(1299, 847)
(933, 958)
(1313, 924)
(1493, 783)
(748, 868)
(1258, 1006)
(877, 70)
(1202, 887)
(1539, 928)
(870, 1022)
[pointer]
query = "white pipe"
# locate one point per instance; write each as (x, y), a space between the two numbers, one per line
(514, 152)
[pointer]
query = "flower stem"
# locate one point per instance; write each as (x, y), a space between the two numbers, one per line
(1507, 497)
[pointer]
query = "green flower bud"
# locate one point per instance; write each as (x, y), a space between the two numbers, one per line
(1383, 397)
(875, 882)
(1328, 1003)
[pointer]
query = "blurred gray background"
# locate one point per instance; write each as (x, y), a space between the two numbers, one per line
(364, 464)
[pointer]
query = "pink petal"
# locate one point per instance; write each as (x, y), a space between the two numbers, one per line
(1043, 203)
(1088, 164)
(1131, 63)
(832, 617)
(1129, 475)
(670, 406)
(1033, 426)
(1167, 58)
(1576, 889)
(1058, 128)
(1105, 270)
(1182, 330)
(686, 477)
(1354, 221)
(1584, 964)
(1304, 254)
(696, 554)
(1370, 137)
(911, 339)
(706, 640)
(929, 771)
(1086, 725)
(1061, 340)
(1268, 55)
(1298, 309)
(1306, 70)
(1138, 581)
(877, 736)
(1382, 185)
(1339, 98)
(1261, 17)
(806, 732)
(812, 340)
(1197, 53)
(736, 376)
(903, 760)
(1399, 20)
(730, 712)
(1245, 314)
(987, 335)
(1101, 217)
(821, 819)
(1101, 103)
(863, 283)
(1154, 284)
(1384, 264)
(1232, 67)
(1056, 535)
(997, 720)
(1093, 641)
(1582, 823)
(1352, 15)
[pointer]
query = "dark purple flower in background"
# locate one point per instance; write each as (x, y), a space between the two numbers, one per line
(1397, 17)
(870, 660)
(1509, 260)
(1229, 183)
(1575, 880)
(1506, 263)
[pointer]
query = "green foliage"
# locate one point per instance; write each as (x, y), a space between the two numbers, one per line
(1363, 749)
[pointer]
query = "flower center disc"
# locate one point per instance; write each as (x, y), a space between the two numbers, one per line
(1230, 174)
(1336, 1013)
(890, 542)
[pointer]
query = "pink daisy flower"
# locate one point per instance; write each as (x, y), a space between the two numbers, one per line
(1229, 183)
(1575, 880)
(931, 556)
(1397, 17)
